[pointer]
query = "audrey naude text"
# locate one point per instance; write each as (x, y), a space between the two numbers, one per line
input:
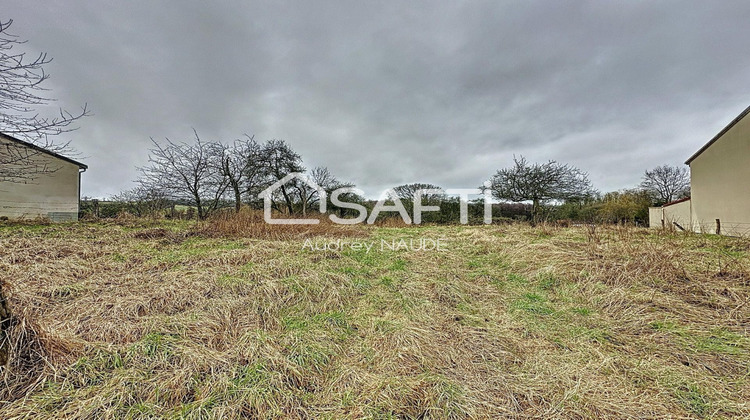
(410, 244)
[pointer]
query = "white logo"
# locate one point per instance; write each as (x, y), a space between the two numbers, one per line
(267, 196)
(388, 196)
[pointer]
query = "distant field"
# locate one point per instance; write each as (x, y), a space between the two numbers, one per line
(149, 319)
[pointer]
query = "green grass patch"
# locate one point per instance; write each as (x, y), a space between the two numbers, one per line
(532, 303)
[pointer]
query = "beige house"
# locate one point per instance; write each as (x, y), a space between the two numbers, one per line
(720, 181)
(719, 185)
(35, 182)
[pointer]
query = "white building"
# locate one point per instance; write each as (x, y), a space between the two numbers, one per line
(35, 182)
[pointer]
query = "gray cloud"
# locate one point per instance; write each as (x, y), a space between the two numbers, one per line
(392, 92)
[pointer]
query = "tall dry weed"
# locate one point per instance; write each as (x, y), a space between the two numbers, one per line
(250, 224)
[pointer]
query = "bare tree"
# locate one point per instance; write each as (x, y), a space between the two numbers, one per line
(279, 160)
(242, 165)
(189, 172)
(21, 93)
(540, 184)
(141, 201)
(309, 196)
(408, 192)
(667, 183)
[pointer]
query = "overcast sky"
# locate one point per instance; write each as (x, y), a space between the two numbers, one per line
(385, 93)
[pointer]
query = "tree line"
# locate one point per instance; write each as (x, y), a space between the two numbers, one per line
(212, 175)
(562, 192)
(207, 176)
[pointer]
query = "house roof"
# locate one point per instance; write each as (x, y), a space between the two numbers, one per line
(718, 136)
(682, 200)
(43, 150)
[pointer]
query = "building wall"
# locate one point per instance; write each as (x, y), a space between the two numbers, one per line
(720, 183)
(52, 195)
(655, 216)
(678, 213)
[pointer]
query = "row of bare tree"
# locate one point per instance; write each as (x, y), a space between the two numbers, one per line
(209, 175)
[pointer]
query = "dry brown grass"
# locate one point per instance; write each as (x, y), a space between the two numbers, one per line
(177, 320)
(250, 224)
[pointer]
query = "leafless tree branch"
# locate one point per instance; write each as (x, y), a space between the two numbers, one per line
(22, 91)
(667, 183)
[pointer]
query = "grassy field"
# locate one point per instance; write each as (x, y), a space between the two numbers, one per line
(154, 319)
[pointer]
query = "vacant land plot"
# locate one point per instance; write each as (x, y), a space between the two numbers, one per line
(168, 320)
